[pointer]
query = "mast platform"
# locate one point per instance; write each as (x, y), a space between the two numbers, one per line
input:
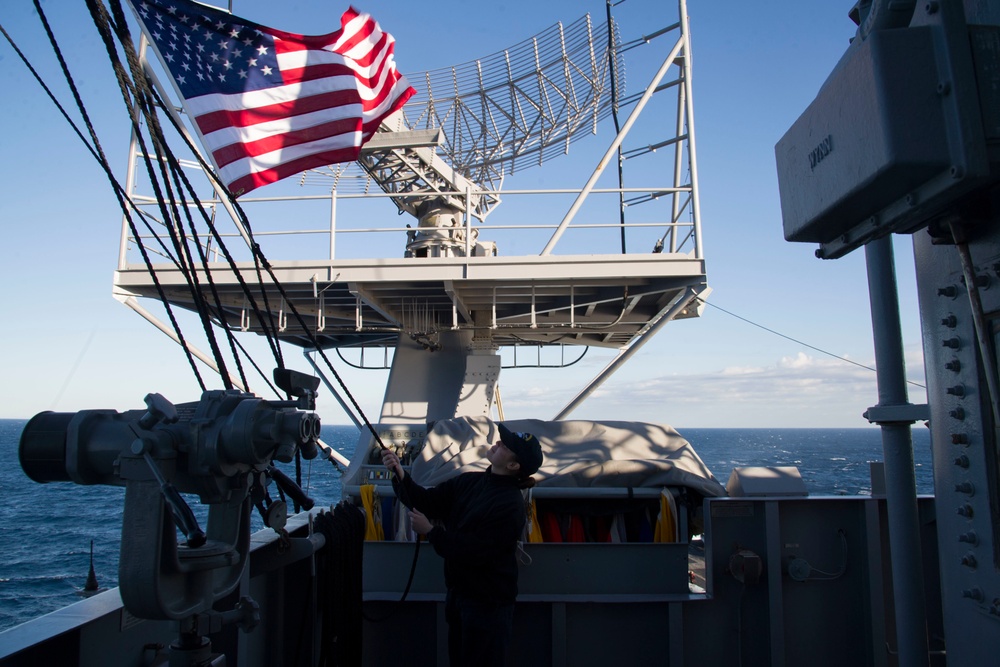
(599, 300)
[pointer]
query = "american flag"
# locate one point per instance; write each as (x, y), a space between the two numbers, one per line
(269, 104)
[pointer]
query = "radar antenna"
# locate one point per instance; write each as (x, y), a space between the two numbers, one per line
(488, 117)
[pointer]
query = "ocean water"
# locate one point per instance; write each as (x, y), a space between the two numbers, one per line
(48, 528)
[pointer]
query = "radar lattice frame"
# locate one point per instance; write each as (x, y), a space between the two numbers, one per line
(508, 111)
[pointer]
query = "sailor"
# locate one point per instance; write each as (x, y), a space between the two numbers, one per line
(474, 522)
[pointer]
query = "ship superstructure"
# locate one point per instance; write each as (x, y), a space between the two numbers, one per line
(467, 279)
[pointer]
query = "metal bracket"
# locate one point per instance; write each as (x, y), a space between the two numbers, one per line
(906, 413)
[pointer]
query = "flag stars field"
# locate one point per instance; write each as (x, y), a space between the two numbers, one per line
(294, 103)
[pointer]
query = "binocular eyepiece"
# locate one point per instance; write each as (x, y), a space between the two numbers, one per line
(203, 447)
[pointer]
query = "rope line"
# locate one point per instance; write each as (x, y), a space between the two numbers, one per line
(167, 203)
(799, 342)
(97, 151)
(260, 260)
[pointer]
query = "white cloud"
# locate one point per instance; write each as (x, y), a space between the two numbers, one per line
(793, 391)
(800, 360)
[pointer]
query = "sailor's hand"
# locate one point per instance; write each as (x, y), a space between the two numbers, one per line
(391, 461)
(421, 524)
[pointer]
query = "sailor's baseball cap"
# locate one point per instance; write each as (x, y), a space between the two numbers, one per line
(525, 446)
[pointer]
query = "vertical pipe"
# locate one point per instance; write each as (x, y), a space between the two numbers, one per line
(468, 228)
(699, 253)
(333, 225)
(897, 448)
(675, 209)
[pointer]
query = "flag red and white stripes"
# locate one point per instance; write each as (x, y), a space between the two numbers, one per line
(269, 104)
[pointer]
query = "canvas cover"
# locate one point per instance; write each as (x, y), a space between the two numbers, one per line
(577, 454)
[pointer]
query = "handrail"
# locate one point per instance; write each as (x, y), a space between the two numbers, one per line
(335, 229)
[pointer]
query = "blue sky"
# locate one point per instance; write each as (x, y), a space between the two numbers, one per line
(67, 345)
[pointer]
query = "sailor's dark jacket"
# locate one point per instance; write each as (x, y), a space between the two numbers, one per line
(481, 516)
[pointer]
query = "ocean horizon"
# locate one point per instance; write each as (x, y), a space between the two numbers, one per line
(45, 556)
